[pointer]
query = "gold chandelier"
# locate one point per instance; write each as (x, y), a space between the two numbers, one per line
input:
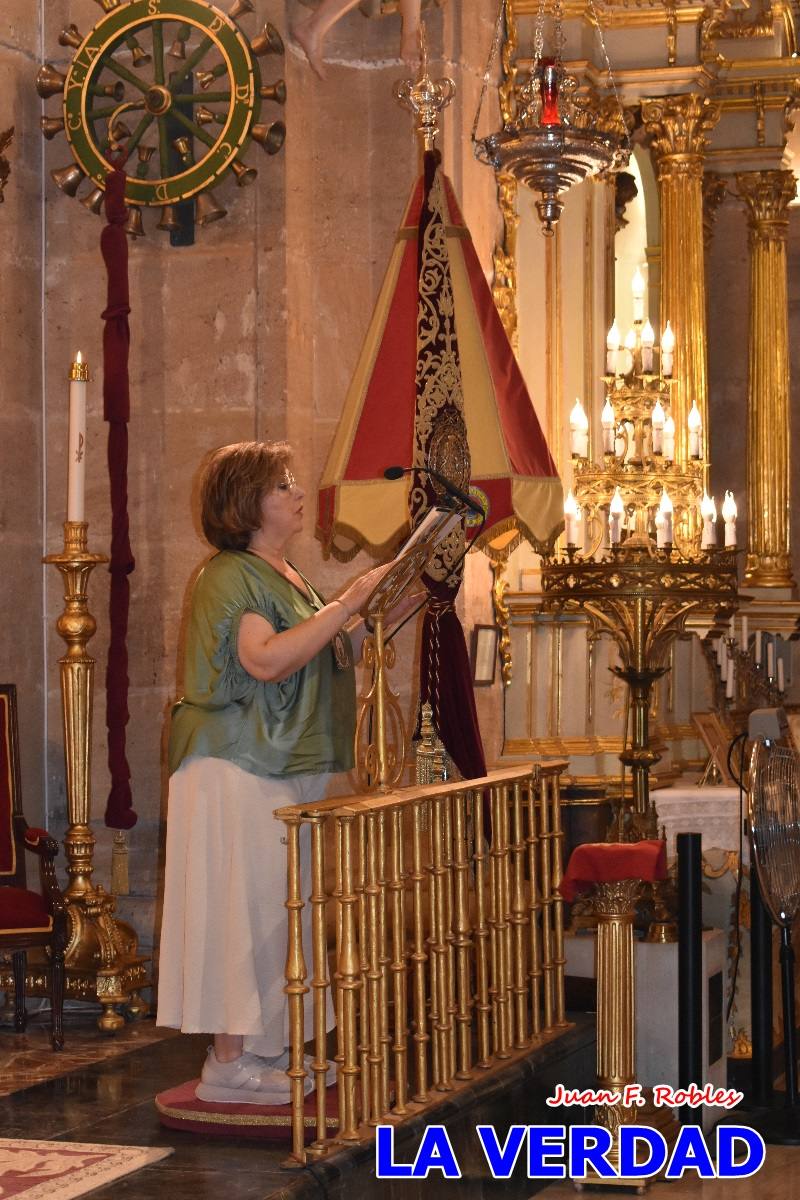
(553, 138)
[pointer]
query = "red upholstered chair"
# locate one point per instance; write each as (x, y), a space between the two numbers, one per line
(27, 918)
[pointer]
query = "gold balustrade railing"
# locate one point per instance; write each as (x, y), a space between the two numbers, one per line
(434, 930)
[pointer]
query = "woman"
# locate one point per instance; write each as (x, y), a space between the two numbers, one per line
(267, 714)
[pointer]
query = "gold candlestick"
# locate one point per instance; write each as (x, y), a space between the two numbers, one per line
(101, 963)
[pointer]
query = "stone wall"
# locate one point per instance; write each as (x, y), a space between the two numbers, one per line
(252, 332)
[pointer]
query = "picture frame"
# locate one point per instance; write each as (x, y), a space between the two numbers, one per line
(484, 654)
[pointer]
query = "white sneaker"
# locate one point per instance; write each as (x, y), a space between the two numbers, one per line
(246, 1080)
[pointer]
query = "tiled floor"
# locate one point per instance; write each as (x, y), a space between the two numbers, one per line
(104, 1093)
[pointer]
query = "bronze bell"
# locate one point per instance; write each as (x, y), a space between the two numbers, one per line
(181, 144)
(49, 81)
(269, 41)
(133, 225)
(50, 126)
(177, 49)
(115, 90)
(204, 78)
(169, 219)
(140, 57)
(145, 153)
(206, 209)
(269, 137)
(243, 173)
(69, 179)
(70, 37)
(240, 9)
(94, 201)
(274, 91)
(120, 131)
(204, 116)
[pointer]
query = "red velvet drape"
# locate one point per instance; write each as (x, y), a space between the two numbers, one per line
(116, 410)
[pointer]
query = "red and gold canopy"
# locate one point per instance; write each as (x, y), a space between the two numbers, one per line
(512, 471)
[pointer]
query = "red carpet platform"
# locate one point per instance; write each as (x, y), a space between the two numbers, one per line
(179, 1108)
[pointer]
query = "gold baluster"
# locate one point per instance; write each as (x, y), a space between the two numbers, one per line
(363, 1024)
(556, 871)
(384, 962)
(503, 925)
(440, 998)
(547, 904)
(419, 956)
(462, 942)
(493, 918)
(348, 984)
(372, 895)
(534, 908)
(319, 978)
(452, 1006)
(338, 923)
(519, 919)
(481, 934)
(399, 963)
(295, 987)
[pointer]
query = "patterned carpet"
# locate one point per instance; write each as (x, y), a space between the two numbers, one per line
(64, 1170)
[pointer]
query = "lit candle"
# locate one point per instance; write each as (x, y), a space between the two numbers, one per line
(608, 421)
(667, 351)
(627, 353)
(669, 438)
(745, 633)
(664, 531)
(657, 427)
(729, 517)
(770, 658)
(695, 426)
(76, 443)
(579, 427)
(571, 519)
(648, 341)
(708, 511)
(781, 676)
(758, 648)
(612, 346)
(616, 509)
(637, 287)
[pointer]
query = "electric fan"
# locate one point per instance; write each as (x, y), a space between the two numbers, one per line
(775, 839)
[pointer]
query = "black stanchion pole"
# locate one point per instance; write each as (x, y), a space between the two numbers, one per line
(690, 969)
(760, 996)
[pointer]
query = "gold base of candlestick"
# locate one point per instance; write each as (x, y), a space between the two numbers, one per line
(102, 963)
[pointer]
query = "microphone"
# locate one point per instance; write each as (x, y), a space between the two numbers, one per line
(451, 489)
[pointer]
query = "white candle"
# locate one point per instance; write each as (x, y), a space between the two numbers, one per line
(729, 517)
(648, 341)
(745, 633)
(571, 519)
(758, 648)
(657, 427)
(612, 346)
(695, 427)
(720, 650)
(616, 509)
(708, 511)
(730, 682)
(667, 351)
(608, 422)
(723, 662)
(76, 441)
(669, 439)
(781, 677)
(637, 287)
(770, 659)
(665, 509)
(579, 429)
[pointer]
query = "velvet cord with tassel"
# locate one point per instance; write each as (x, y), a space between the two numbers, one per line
(445, 676)
(116, 410)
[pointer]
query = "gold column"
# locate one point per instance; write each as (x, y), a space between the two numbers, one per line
(677, 127)
(766, 195)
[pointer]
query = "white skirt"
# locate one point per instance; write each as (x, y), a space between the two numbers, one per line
(223, 934)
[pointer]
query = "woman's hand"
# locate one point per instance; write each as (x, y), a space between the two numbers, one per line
(356, 595)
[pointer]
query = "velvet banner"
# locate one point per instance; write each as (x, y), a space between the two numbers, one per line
(440, 443)
(116, 410)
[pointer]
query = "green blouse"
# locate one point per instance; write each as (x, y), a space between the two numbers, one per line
(301, 725)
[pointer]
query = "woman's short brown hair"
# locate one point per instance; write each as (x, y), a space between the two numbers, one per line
(234, 482)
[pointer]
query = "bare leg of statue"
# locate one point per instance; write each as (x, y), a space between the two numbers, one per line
(310, 33)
